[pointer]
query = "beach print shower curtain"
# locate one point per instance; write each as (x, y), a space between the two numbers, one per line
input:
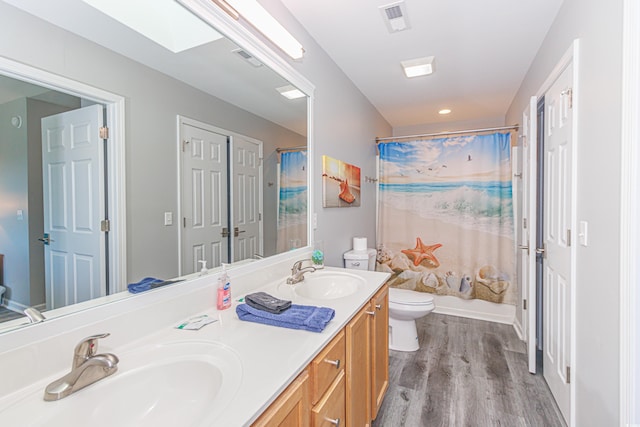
(292, 200)
(445, 221)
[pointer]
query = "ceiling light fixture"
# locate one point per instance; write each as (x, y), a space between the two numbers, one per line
(290, 92)
(444, 111)
(258, 17)
(419, 66)
(164, 23)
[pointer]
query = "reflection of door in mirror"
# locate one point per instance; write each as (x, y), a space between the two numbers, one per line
(74, 206)
(221, 207)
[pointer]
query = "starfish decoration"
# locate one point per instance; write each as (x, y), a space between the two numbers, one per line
(422, 252)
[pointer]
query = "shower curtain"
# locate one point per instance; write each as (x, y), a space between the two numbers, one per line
(292, 200)
(445, 216)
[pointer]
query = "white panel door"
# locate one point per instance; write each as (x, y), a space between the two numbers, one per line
(74, 205)
(557, 280)
(204, 198)
(246, 163)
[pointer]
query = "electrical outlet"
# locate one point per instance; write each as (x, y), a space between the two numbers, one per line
(168, 218)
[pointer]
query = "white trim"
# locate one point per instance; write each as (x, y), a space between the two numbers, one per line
(115, 107)
(629, 211)
(474, 309)
(518, 328)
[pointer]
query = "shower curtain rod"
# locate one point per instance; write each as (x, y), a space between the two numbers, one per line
(512, 127)
(299, 148)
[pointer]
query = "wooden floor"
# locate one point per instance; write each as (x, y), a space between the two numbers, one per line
(466, 373)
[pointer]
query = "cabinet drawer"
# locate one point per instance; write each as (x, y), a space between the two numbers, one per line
(331, 411)
(327, 366)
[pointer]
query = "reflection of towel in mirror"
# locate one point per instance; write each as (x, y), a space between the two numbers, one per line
(265, 302)
(148, 283)
(306, 317)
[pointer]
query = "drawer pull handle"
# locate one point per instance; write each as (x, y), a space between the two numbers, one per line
(335, 422)
(378, 307)
(371, 313)
(334, 362)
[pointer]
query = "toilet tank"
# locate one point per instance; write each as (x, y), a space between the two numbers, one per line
(360, 260)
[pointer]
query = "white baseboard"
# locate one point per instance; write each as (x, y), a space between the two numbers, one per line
(518, 328)
(475, 309)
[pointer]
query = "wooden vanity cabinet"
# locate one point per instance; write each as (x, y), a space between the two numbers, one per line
(346, 382)
(291, 408)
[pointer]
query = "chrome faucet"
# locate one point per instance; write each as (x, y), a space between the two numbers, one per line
(87, 368)
(34, 315)
(297, 272)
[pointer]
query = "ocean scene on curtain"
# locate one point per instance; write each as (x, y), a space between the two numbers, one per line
(446, 216)
(292, 200)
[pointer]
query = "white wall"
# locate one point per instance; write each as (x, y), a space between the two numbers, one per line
(598, 26)
(345, 128)
(449, 126)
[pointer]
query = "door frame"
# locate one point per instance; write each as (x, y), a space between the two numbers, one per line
(570, 57)
(115, 120)
(630, 210)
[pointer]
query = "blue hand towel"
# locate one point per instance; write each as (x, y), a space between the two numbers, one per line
(307, 317)
(148, 283)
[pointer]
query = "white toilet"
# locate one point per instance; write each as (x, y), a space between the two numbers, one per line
(405, 306)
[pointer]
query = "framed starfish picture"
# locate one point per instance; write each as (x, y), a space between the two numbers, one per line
(340, 184)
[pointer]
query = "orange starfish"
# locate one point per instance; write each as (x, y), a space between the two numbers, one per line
(422, 252)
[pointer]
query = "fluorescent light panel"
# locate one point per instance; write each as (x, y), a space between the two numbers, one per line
(164, 21)
(290, 92)
(258, 16)
(419, 66)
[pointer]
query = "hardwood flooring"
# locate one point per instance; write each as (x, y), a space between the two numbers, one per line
(467, 373)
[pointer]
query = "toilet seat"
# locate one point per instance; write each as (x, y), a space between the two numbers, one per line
(409, 297)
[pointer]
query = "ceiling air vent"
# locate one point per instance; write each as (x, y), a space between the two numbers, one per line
(247, 57)
(395, 16)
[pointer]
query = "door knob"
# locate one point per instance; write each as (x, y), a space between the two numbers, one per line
(46, 239)
(237, 231)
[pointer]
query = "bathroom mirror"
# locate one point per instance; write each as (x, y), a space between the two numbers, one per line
(213, 84)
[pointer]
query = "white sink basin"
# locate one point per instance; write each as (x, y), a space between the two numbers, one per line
(173, 384)
(328, 285)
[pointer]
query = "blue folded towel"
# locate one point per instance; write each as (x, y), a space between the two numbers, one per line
(307, 317)
(148, 283)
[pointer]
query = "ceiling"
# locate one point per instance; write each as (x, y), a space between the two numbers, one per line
(482, 51)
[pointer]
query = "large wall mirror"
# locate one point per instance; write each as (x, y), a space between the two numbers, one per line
(212, 142)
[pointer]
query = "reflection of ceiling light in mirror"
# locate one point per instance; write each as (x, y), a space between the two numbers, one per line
(419, 66)
(290, 92)
(444, 111)
(258, 16)
(161, 21)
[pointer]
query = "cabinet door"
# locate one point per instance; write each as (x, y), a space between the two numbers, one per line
(380, 349)
(358, 369)
(291, 408)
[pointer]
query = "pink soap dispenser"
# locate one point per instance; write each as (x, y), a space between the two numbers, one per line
(224, 289)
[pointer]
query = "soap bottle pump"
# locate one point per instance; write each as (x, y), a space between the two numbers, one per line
(203, 270)
(224, 289)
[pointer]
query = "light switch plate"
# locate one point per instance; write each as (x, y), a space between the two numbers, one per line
(168, 218)
(583, 233)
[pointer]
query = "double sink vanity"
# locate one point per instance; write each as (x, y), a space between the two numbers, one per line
(229, 373)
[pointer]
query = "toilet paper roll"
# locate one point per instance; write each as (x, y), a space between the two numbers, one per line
(360, 244)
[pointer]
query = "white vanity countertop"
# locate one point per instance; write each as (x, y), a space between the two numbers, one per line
(270, 357)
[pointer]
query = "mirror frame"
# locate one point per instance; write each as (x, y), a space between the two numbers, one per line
(115, 105)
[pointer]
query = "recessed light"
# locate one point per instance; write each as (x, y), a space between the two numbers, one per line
(419, 66)
(444, 111)
(290, 92)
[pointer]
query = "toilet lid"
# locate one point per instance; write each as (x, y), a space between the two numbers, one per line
(408, 297)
